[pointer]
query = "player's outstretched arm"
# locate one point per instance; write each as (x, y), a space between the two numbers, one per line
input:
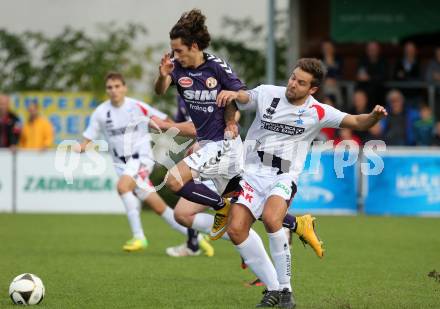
(225, 97)
(186, 128)
(163, 81)
(364, 121)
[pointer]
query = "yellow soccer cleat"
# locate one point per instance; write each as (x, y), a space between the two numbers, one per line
(220, 221)
(206, 247)
(135, 244)
(306, 231)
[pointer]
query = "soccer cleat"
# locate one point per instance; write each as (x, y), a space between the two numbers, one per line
(256, 282)
(135, 244)
(306, 231)
(204, 244)
(270, 299)
(181, 250)
(220, 221)
(286, 299)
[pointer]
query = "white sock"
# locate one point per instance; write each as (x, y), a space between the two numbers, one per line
(280, 252)
(132, 208)
(203, 223)
(168, 216)
(255, 256)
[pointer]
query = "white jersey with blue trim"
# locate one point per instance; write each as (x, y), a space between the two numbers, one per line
(124, 128)
(279, 138)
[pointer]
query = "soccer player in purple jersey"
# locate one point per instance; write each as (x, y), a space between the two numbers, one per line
(199, 77)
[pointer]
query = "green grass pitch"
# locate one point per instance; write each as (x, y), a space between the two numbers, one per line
(370, 262)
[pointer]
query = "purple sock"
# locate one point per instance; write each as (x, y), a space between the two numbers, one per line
(290, 222)
(192, 242)
(201, 194)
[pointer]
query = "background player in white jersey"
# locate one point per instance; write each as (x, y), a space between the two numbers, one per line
(286, 122)
(122, 121)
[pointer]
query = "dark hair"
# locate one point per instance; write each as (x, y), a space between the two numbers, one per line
(115, 75)
(315, 67)
(191, 29)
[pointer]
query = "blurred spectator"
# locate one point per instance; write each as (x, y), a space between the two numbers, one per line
(10, 125)
(359, 103)
(37, 131)
(360, 106)
(398, 126)
(423, 128)
(408, 68)
(372, 67)
(334, 72)
(433, 69)
(375, 132)
(346, 135)
(436, 135)
(372, 72)
(332, 61)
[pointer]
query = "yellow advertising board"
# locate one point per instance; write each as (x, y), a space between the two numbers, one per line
(68, 112)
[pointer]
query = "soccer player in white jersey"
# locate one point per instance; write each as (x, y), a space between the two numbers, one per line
(286, 122)
(123, 122)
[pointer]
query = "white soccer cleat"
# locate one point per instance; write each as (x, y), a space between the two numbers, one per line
(181, 250)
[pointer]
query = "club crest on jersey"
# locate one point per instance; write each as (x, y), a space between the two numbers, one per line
(271, 109)
(211, 82)
(185, 82)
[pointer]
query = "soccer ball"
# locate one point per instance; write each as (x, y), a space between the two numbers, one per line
(26, 289)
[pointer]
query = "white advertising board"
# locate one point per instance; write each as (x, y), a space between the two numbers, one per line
(6, 180)
(41, 187)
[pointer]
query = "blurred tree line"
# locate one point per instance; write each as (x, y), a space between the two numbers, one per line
(76, 61)
(70, 61)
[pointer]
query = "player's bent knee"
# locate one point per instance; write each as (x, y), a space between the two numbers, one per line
(122, 188)
(237, 233)
(272, 224)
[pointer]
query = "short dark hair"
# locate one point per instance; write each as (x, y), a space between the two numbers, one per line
(315, 67)
(114, 75)
(191, 29)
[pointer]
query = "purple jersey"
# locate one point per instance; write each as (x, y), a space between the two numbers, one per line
(199, 89)
(181, 113)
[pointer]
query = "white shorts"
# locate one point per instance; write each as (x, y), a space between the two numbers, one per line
(218, 161)
(254, 190)
(140, 172)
